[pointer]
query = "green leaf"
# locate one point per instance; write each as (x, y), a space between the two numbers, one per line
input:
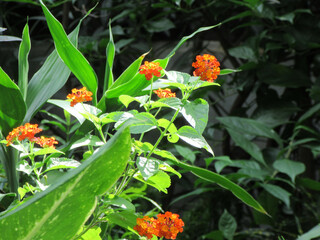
(12, 106)
(184, 39)
(160, 181)
(141, 122)
(250, 127)
(227, 225)
(192, 137)
(309, 183)
(196, 113)
(311, 234)
(291, 168)
(70, 55)
(92, 234)
(309, 113)
(147, 167)
(125, 219)
(48, 214)
(126, 100)
(243, 52)
(110, 52)
(61, 163)
(229, 71)
(210, 176)
(78, 110)
(51, 77)
(173, 103)
(119, 202)
(89, 140)
(185, 152)
(278, 192)
(24, 50)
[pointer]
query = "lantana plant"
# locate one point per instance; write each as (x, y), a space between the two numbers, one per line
(88, 183)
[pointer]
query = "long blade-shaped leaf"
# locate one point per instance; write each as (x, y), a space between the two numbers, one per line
(24, 50)
(60, 210)
(110, 52)
(51, 77)
(238, 191)
(70, 55)
(12, 106)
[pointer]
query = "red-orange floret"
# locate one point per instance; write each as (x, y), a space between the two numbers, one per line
(164, 93)
(79, 95)
(150, 69)
(146, 226)
(22, 132)
(207, 67)
(46, 142)
(169, 225)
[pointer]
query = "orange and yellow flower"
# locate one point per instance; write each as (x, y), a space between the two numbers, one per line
(22, 132)
(79, 95)
(46, 142)
(150, 69)
(167, 225)
(164, 93)
(207, 67)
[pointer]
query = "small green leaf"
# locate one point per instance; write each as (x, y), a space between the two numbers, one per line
(228, 71)
(291, 168)
(120, 202)
(141, 122)
(227, 225)
(126, 100)
(160, 181)
(192, 137)
(89, 140)
(125, 219)
(92, 234)
(278, 192)
(61, 163)
(44, 151)
(147, 167)
(185, 152)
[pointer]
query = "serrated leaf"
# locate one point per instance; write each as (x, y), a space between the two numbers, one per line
(160, 181)
(228, 225)
(47, 214)
(147, 167)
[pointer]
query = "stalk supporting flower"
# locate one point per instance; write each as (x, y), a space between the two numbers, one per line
(79, 95)
(150, 69)
(164, 93)
(167, 225)
(207, 67)
(23, 132)
(46, 142)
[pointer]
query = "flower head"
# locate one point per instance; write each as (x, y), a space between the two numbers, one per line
(146, 226)
(207, 67)
(150, 69)
(46, 142)
(167, 225)
(164, 93)
(79, 95)
(22, 132)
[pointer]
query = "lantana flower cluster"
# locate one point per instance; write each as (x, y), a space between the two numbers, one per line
(164, 93)
(150, 69)
(28, 131)
(166, 225)
(207, 67)
(79, 95)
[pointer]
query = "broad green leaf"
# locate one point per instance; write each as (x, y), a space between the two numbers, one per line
(24, 50)
(173, 103)
(160, 181)
(92, 234)
(196, 113)
(125, 219)
(12, 106)
(51, 77)
(250, 127)
(192, 137)
(227, 225)
(278, 192)
(78, 110)
(48, 214)
(147, 167)
(210, 176)
(70, 55)
(313, 233)
(186, 152)
(140, 123)
(291, 168)
(61, 163)
(110, 52)
(184, 39)
(246, 144)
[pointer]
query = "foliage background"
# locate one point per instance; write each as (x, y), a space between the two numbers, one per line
(274, 43)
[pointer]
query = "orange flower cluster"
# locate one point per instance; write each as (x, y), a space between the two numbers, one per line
(22, 132)
(150, 69)
(207, 67)
(79, 95)
(167, 225)
(46, 142)
(164, 93)
(27, 132)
